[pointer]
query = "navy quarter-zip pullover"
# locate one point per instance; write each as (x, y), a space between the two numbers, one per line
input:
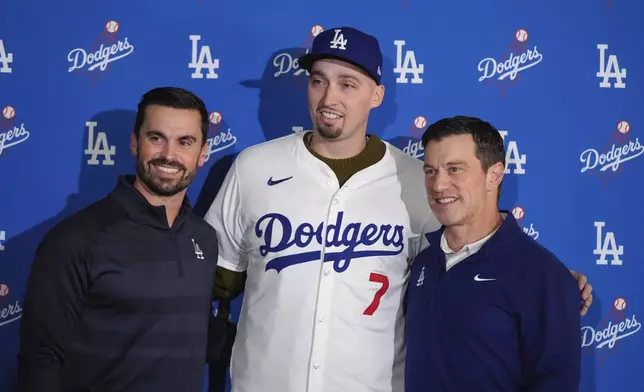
(117, 301)
(505, 319)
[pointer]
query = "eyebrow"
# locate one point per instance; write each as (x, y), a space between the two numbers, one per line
(153, 132)
(343, 75)
(450, 163)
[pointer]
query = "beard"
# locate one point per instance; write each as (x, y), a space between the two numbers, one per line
(164, 186)
(328, 132)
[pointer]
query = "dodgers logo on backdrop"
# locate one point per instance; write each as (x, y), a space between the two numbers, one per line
(618, 325)
(218, 139)
(287, 64)
(110, 50)
(414, 146)
(10, 310)
(519, 214)
(341, 241)
(11, 134)
(518, 57)
(3, 238)
(6, 58)
(618, 150)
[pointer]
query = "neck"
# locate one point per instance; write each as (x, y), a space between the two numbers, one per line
(472, 231)
(338, 149)
(172, 203)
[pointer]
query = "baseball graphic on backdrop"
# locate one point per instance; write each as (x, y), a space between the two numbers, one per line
(522, 35)
(215, 117)
(620, 304)
(623, 126)
(4, 290)
(317, 29)
(518, 212)
(112, 26)
(8, 112)
(420, 122)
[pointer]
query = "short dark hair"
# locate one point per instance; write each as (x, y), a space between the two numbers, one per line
(488, 140)
(489, 143)
(173, 97)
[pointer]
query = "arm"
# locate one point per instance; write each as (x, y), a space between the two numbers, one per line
(52, 307)
(228, 284)
(550, 329)
(225, 216)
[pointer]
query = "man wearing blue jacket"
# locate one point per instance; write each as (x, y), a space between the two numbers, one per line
(488, 308)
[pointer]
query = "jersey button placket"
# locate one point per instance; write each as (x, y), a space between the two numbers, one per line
(324, 300)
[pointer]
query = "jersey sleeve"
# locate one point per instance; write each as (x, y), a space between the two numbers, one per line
(225, 216)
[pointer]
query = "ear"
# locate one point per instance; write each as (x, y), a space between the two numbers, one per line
(202, 154)
(133, 144)
(378, 96)
(494, 176)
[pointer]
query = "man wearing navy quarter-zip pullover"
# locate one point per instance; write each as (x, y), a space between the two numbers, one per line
(488, 308)
(119, 294)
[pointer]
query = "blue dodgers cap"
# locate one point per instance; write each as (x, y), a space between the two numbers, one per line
(347, 44)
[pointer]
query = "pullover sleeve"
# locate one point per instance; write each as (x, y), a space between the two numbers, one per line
(52, 307)
(550, 329)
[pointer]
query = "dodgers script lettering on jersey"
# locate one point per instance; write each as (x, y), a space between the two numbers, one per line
(350, 237)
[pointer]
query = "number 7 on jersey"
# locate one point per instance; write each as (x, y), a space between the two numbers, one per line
(384, 281)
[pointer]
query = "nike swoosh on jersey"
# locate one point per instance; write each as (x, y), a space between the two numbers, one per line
(272, 182)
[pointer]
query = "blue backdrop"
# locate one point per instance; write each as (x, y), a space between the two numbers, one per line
(562, 80)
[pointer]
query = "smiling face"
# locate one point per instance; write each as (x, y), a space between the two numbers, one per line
(459, 190)
(169, 149)
(340, 97)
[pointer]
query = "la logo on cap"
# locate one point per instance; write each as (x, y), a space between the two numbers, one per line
(338, 41)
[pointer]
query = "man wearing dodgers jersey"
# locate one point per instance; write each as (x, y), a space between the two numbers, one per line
(324, 225)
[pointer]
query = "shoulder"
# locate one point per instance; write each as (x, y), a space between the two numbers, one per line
(270, 149)
(539, 264)
(406, 163)
(79, 230)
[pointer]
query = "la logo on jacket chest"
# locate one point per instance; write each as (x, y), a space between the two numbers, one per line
(198, 250)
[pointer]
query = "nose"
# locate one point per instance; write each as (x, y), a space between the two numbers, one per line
(438, 182)
(330, 96)
(169, 151)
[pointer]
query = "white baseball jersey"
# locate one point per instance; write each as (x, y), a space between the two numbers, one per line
(327, 267)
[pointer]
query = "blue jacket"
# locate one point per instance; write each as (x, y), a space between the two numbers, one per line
(505, 319)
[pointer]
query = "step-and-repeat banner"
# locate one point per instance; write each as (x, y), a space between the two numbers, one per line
(561, 80)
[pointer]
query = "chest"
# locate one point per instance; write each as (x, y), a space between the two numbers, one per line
(310, 218)
(149, 267)
(475, 297)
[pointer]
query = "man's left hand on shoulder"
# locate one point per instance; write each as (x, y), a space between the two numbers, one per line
(586, 291)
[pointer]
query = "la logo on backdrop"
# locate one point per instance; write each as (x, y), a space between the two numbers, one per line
(505, 71)
(12, 131)
(107, 49)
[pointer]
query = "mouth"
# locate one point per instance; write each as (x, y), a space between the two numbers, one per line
(444, 201)
(167, 169)
(330, 115)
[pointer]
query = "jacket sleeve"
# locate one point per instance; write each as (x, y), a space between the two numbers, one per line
(51, 308)
(551, 329)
